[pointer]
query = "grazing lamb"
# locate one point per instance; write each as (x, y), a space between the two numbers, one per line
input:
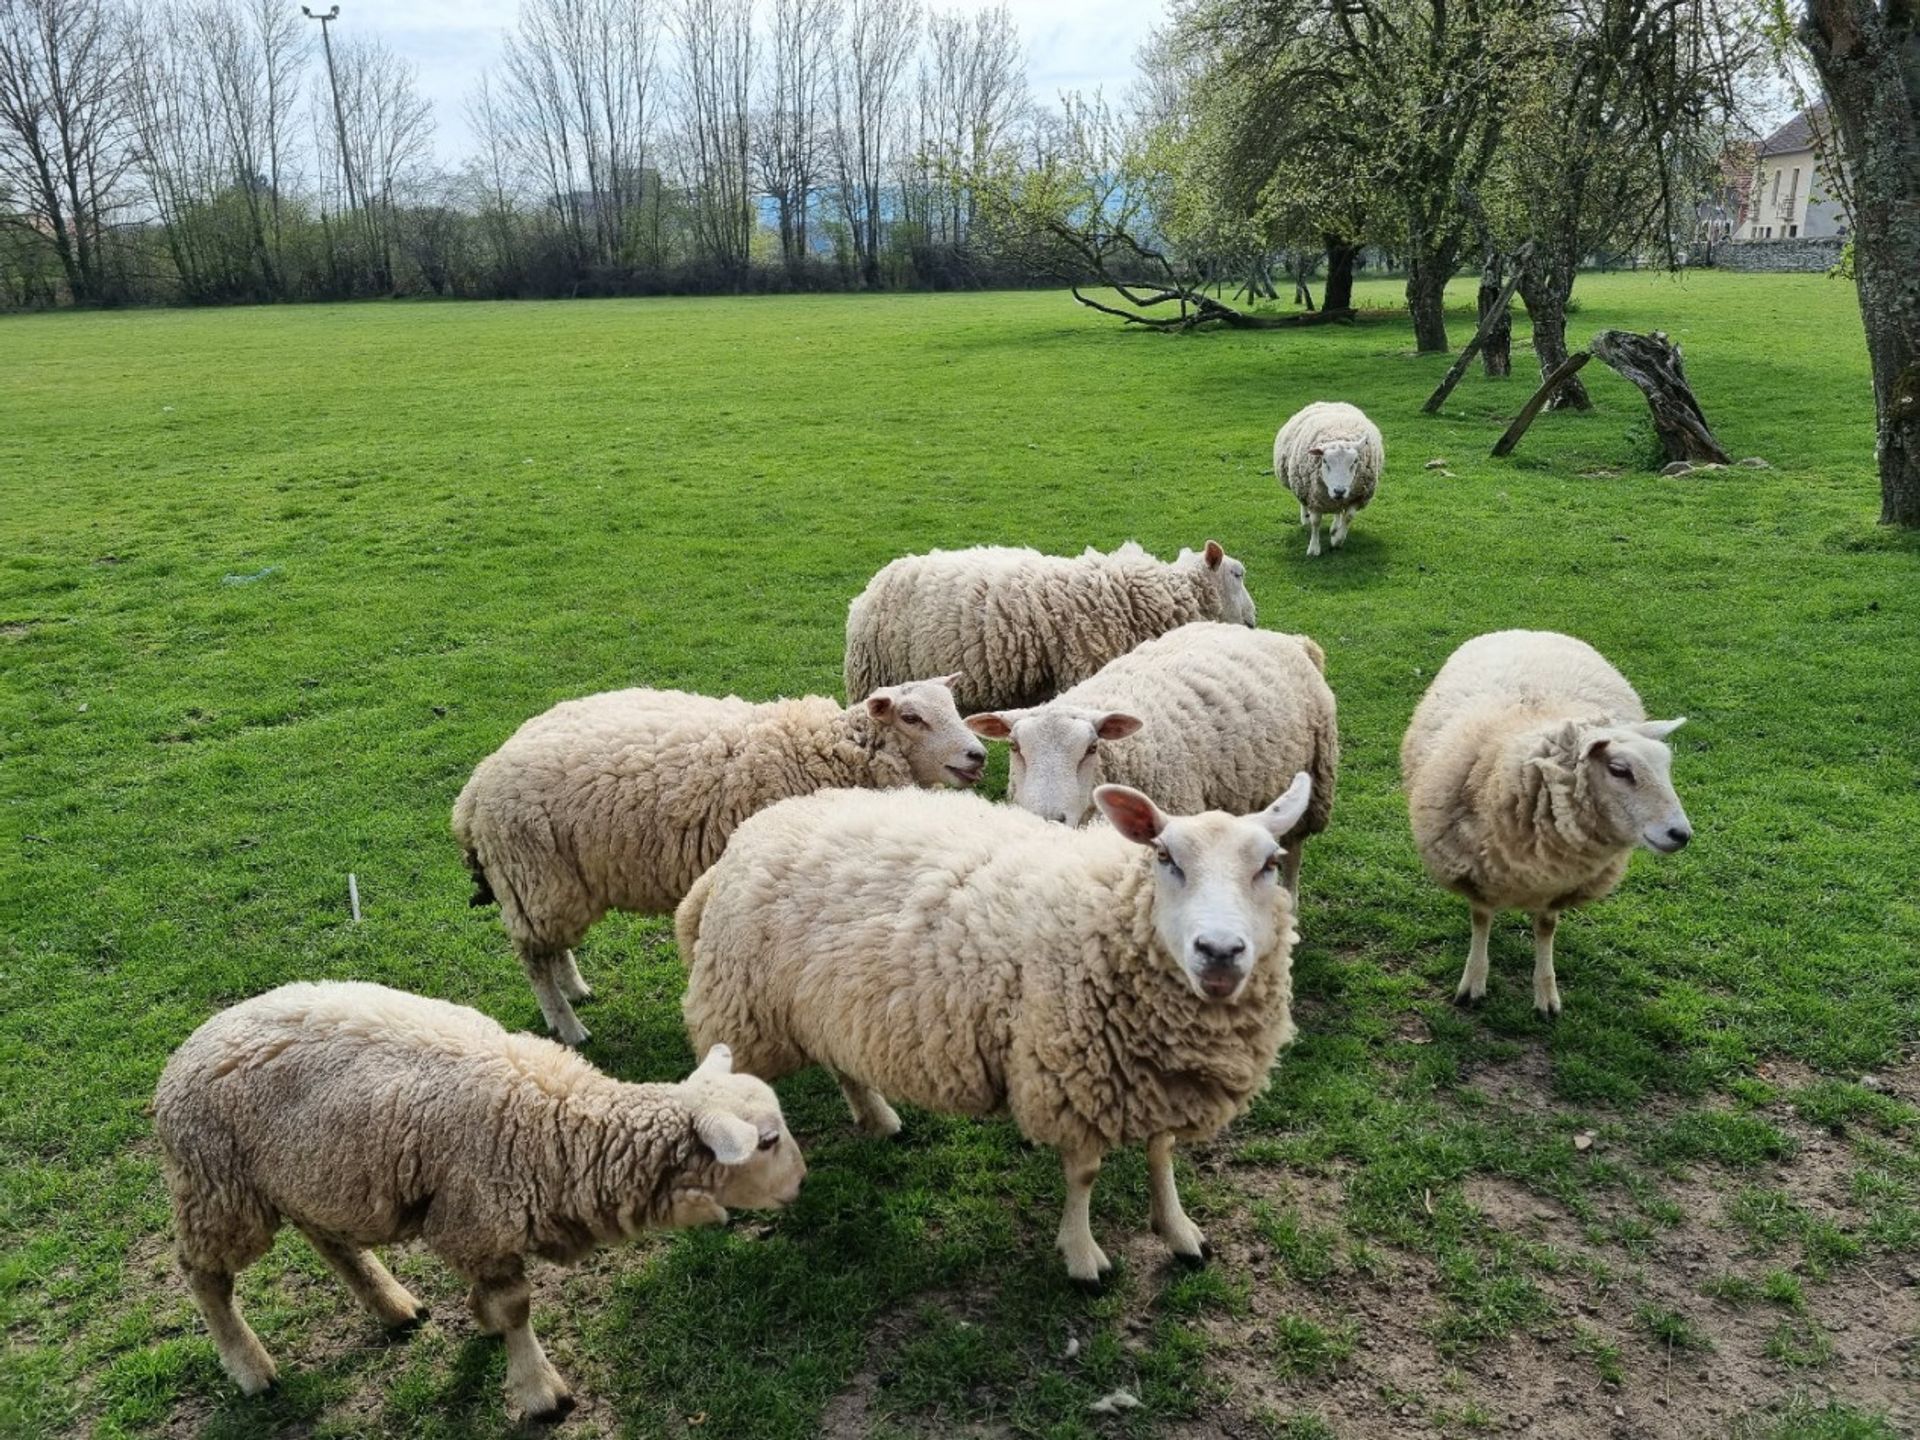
(1207, 717)
(1029, 625)
(619, 801)
(1103, 986)
(367, 1116)
(1331, 456)
(1532, 772)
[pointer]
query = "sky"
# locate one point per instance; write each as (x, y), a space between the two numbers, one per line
(1071, 45)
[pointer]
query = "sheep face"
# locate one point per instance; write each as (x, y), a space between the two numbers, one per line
(1229, 580)
(738, 1118)
(1055, 761)
(1338, 459)
(1218, 902)
(938, 747)
(1630, 777)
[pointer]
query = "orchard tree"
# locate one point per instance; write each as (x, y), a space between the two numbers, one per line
(1867, 53)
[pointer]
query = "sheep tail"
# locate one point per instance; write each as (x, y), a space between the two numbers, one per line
(686, 919)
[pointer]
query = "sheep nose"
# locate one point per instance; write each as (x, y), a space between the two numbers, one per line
(1059, 816)
(1219, 949)
(1679, 835)
(977, 755)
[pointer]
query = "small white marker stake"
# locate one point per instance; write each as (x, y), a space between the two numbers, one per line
(353, 897)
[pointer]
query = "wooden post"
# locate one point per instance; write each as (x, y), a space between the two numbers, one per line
(1487, 323)
(1568, 368)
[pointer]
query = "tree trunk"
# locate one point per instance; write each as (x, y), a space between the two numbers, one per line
(1426, 301)
(1496, 351)
(1654, 364)
(1868, 57)
(1546, 284)
(1337, 294)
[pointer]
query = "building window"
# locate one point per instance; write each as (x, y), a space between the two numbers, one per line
(1792, 230)
(1776, 187)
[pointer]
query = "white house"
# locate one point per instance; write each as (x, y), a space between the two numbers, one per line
(1792, 197)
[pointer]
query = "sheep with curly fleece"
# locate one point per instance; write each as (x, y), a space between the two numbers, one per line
(619, 801)
(1331, 456)
(1532, 773)
(1206, 717)
(1104, 987)
(366, 1116)
(1023, 626)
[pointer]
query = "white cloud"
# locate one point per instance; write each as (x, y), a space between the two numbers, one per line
(1071, 45)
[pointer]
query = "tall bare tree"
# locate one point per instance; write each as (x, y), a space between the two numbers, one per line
(1867, 53)
(716, 57)
(876, 44)
(389, 136)
(790, 138)
(63, 128)
(972, 91)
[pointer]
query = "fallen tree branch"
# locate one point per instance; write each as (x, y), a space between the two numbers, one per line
(1564, 372)
(1488, 323)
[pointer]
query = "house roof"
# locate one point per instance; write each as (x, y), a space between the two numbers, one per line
(1797, 134)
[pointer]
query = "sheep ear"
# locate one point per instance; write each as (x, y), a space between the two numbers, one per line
(1115, 726)
(1282, 815)
(993, 726)
(949, 680)
(718, 1062)
(1130, 812)
(1214, 554)
(880, 704)
(1657, 729)
(732, 1140)
(1316, 451)
(1595, 747)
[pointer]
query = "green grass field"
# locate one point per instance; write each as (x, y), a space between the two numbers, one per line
(272, 581)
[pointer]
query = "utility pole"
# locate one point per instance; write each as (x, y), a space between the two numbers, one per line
(339, 115)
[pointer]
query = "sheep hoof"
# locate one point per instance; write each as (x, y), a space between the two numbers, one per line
(1548, 1014)
(407, 1324)
(1467, 1000)
(1095, 1286)
(1196, 1262)
(562, 1407)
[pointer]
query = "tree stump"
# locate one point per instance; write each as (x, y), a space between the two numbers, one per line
(1653, 363)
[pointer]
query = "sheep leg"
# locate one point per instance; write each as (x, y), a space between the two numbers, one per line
(1473, 980)
(502, 1303)
(1546, 994)
(1313, 533)
(1303, 512)
(544, 968)
(870, 1109)
(1086, 1262)
(241, 1353)
(371, 1283)
(1339, 536)
(571, 985)
(1169, 1220)
(1290, 871)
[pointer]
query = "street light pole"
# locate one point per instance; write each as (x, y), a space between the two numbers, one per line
(339, 115)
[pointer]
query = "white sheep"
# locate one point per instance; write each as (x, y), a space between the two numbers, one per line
(367, 1116)
(1022, 626)
(619, 801)
(1103, 986)
(1206, 717)
(1532, 772)
(1331, 456)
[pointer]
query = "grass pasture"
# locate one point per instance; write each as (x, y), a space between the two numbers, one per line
(272, 581)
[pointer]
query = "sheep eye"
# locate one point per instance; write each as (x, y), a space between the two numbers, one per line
(1173, 868)
(1092, 750)
(1272, 865)
(1621, 772)
(767, 1142)
(911, 718)
(1013, 747)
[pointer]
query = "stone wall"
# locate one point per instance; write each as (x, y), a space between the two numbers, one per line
(1818, 254)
